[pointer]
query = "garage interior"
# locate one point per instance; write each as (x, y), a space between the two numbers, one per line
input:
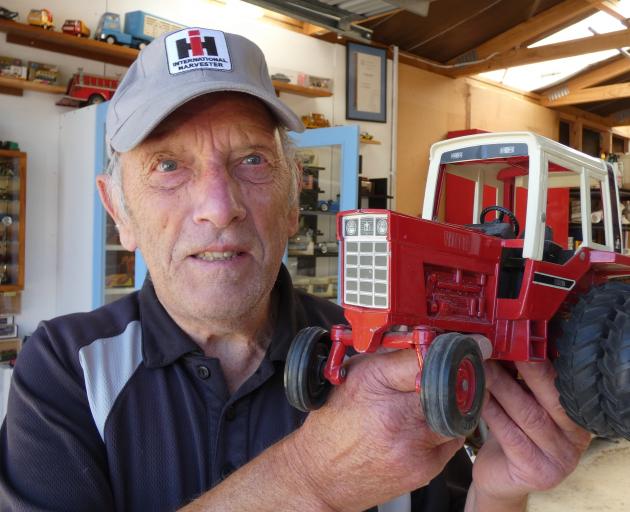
(559, 68)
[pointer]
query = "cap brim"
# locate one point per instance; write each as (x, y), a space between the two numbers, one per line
(144, 120)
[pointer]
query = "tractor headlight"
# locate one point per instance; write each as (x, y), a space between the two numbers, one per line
(351, 227)
(381, 226)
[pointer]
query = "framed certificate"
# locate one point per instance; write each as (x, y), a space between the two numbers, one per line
(366, 83)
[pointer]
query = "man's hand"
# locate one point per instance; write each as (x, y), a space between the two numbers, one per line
(533, 444)
(370, 443)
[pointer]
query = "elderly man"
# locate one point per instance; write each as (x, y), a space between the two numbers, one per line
(173, 396)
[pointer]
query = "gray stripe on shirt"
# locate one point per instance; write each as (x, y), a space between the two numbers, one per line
(108, 364)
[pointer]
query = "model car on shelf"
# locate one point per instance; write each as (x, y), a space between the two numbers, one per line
(328, 205)
(487, 273)
(41, 18)
(76, 28)
(87, 89)
(301, 244)
(139, 30)
(7, 14)
(330, 248)
(315, 120)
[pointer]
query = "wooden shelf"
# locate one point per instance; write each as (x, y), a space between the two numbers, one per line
(311, 92)
(35, 37)
(15, 86)
(369, 141)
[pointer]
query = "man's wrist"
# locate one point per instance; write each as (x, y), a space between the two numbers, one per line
(304, 467)
(479, 501)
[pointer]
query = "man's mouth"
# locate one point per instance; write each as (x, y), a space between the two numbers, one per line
(216, 256)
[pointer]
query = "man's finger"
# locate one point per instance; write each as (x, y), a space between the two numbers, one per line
(395, 370)
(531, 417)
(540, 378)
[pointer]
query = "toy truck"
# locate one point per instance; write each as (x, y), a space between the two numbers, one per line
(87, 89)
(140, 28)
(41, 18)
(497, 267)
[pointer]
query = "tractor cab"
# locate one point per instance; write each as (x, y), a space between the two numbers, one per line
(520, 185)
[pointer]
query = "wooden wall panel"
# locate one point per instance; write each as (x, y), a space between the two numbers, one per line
(431, 105)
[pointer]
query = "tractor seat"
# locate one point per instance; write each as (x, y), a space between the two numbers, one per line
(499, 229)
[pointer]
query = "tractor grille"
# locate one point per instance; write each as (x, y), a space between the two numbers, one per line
(366, 272)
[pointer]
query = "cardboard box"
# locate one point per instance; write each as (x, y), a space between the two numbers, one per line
(43, 73)
(315, 81)
(10, 348)
(13, 68)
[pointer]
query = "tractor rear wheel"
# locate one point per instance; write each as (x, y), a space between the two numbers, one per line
(453, 383)
(584, 379)
(304, 382)
(615, 368)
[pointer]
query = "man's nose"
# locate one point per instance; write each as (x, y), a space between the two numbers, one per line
(218, 199)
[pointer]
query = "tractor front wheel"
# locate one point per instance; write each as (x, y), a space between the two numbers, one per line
(304, 382)
(453, 384)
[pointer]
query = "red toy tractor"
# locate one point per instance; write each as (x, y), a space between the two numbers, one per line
(518, 256)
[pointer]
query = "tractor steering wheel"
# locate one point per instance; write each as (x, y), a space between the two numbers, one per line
(502, 213)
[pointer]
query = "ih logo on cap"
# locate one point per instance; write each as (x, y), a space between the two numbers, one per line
(197, 48)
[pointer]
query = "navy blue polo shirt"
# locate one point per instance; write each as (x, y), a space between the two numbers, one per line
(118, 409)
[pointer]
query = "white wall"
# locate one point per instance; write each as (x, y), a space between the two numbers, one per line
(33, 119)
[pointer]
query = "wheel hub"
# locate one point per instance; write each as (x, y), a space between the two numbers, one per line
(466, 386)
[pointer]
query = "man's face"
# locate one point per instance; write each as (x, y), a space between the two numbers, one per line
(208, 204)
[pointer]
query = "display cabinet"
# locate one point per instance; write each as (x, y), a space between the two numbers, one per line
(330, 161)
(12, 217)
(88, 241)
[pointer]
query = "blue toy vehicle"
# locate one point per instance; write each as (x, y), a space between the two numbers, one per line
(140, 28)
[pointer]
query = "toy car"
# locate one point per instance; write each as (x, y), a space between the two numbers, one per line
(458, 286)
(41, 18)
(7, 14)
(87, 89)
(75, 28)
(328, 205)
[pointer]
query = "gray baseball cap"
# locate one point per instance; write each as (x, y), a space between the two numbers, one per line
(179, 66)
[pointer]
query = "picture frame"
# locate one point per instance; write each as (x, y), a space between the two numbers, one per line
(8, 331)
(366, 83)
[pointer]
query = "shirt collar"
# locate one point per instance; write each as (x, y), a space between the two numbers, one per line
(163, 341)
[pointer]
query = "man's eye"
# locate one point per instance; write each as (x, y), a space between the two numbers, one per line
(167, 165)
(253, 160)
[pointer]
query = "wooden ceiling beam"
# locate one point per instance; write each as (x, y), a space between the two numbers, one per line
(586, 118)
(522, 56)
(616, 67)
(621, 118)
(530, 30)
(612, 9)
(602, 93)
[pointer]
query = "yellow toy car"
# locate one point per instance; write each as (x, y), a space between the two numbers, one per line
(41, 18)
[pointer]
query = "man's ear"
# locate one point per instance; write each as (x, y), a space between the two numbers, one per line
(121, 219)
(294, 220)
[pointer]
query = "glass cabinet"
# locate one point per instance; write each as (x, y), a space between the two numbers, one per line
(12, 216)
(88, 240)
(330, 160)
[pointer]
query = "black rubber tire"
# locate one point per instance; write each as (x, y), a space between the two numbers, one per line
(95, 99)
(615, 368)
(304, 382)
(110, 40)
(439, 379)
(585, 331)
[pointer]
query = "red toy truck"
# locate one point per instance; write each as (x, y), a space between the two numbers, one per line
(497, 267)
(87, 89)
